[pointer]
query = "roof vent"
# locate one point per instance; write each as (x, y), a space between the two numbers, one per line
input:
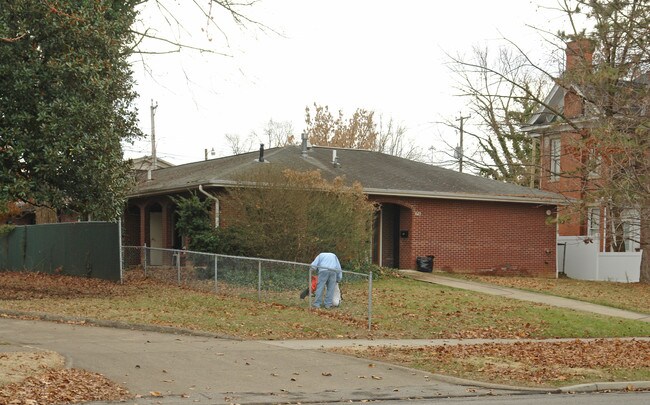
(261, 159)
(304, 143)
(335, 159)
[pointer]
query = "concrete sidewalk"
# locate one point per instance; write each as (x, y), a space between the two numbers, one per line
(514, 293)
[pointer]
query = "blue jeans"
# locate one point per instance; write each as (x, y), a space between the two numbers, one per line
(326, 278)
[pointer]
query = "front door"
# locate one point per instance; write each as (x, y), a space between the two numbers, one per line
(155, 238)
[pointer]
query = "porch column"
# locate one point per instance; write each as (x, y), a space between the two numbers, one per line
(166, 227)
(143, 220)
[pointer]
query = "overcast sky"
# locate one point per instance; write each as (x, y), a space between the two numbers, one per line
(385, 56)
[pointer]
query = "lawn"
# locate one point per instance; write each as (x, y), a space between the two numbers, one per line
(402, 308)
(629, 296)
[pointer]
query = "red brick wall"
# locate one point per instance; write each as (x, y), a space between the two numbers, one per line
(464, 236)
(476, 236)
(406, 244)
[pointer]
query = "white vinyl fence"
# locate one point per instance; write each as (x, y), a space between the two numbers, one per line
(578, 257)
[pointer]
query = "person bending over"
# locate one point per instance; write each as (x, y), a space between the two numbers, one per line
(329, 273)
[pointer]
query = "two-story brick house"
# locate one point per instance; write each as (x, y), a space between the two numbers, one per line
(571, 167)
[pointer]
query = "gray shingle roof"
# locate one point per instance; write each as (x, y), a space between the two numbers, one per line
(378, 173)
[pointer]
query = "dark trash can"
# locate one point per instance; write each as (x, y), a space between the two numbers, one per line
(425, 263)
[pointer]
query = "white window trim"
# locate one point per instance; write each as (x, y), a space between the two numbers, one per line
(593, 222)
(555, 158)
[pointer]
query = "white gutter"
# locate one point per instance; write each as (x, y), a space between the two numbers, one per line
(216, 205)
(560, 200)
(468, 197)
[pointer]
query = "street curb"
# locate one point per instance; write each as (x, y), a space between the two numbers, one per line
(112, 324)
(462, 381)
(487, 385)
(602, 386)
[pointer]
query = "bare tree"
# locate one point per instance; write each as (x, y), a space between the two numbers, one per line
(180, 33)
(239, 145)
(392, 140)
(498, 93)
(279, 133)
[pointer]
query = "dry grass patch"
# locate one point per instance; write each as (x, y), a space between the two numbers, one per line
(16, 366)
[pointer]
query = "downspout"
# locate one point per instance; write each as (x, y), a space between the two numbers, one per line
(216, 205)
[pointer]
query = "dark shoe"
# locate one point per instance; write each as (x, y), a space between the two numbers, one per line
(304, 294)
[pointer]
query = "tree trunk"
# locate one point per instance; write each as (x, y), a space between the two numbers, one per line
(644, 276)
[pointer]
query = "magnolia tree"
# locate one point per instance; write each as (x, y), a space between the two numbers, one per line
(66, 104)
(66, 96)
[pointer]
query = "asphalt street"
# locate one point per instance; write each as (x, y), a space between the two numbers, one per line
(210, 370)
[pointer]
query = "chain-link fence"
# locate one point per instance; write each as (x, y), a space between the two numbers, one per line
(267, 280)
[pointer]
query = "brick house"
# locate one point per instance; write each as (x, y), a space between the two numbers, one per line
(565, 161)
(468, 223)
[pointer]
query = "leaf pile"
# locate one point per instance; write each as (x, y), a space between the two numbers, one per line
(527, 363)
(57, 386)
(34, 285)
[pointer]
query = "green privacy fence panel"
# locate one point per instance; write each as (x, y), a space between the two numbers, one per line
(89, 249)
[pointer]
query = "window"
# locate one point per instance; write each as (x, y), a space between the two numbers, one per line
(593, 223)
(631, 230)
(594, 161)
(555, 154)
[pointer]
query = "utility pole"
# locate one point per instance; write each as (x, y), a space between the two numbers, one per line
(460, 152)
(154, 162)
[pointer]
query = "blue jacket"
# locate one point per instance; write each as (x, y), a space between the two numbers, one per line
(328, 261)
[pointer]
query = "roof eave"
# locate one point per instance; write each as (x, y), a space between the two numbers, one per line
(161, 191)
(469, 197)
(388, 192)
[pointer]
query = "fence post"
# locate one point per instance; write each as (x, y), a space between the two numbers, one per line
(216, 290)
(370, 300)
(310, 291)
(178, 265)
(144, 248)
(119, 232)
(259, 280)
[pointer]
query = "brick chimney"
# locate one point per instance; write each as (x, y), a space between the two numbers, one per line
(579, 54)
(579, 58)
